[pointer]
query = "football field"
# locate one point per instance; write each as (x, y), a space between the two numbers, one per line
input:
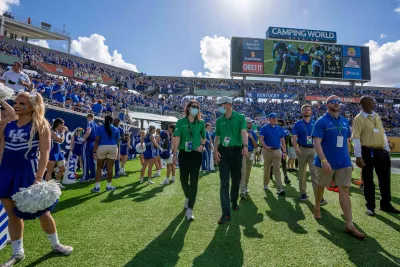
(144, 225)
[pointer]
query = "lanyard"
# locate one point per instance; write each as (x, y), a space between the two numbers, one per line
(338, 125)
(373, 121)
(305, 128)
(191, 131)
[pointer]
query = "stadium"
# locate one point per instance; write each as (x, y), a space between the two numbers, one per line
(139, 220)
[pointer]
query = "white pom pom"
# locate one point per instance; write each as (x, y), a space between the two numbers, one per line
(6, 92)
(37, 197)
(140, 148)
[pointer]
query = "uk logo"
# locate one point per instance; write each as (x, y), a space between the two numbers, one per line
(18, 136)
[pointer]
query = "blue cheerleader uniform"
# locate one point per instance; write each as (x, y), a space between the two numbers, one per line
(78, 146)
(17, 170)
(150, 152)
(55, 152)
(123, 148)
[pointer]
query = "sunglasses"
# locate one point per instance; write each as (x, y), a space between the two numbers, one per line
(194, 107)
(334, 101)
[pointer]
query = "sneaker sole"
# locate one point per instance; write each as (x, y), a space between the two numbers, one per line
(65, 254)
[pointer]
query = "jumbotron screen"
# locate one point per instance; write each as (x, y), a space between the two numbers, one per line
(302, 60)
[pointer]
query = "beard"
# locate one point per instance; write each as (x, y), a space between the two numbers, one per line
(306, 115)
(334, 109)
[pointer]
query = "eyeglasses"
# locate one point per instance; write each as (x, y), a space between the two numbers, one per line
(334, 101)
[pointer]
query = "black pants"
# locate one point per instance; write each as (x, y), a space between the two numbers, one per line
(230, 166)
(189, 168)
(380, 160)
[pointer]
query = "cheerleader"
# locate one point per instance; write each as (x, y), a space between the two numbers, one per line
(149, 154)
(141, 140)
(21, 142)
(167, 155)
(77, 145)
(124, 146)
(56, 157)
(158, 160)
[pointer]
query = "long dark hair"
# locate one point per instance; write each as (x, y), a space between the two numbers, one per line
(56, 123)
(187, 109)
(107, 125)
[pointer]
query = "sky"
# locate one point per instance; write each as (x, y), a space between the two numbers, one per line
(192, 38)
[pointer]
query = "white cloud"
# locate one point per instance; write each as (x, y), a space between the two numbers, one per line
(215, 52)
(5, 4)
(42, 43)
(383, 35)
(397, 10)
(385, 63)
(94, 48)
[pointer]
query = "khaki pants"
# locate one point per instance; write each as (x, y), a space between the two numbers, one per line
(272, 157)
(246, 168)
(305, 157)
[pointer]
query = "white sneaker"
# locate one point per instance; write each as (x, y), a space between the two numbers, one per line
(186, 206)
(189, 215)
(166, 182)
(266, 187)
(65, 250)
(156, 175)
(60, 185)
(150, 182)
(280, 192)
(141, 180)
(14, 259)
(172, 181)
(246, 190)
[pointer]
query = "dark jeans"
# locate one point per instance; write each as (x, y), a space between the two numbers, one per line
(189, 168)
(230, 165)
(380, 160)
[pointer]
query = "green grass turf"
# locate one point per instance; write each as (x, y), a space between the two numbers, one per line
(143, 225)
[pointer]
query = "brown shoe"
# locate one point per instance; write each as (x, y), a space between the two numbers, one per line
(317, 214)
(354, 232)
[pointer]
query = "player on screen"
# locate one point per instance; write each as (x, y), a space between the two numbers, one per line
(282, 49)
(291, 62)
(305, 61)
(318, 64)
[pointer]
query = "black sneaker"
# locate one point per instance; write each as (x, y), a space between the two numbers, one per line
(280, 192)
(390, 209)
(235, 207)
(224, 219)
(287, 181)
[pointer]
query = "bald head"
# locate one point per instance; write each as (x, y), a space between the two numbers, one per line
(367, 104)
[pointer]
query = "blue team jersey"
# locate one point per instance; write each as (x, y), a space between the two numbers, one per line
(55, 146)
(104, 139)
(121, 132)
(292, 64)
(97, 109)
(250, 144)
(328, 129)
(136, 139)
(272, 135)
(78, 145)
(60, 97)
(92, 136)
(16, 143)
(303, 129)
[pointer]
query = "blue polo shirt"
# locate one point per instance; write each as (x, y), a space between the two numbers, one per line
(93, 126)
(106, 140)
(60, 97)
(303, 129)
(272, 135)
(97, 109)
(250, 144)
(121, 132)
(328, 128)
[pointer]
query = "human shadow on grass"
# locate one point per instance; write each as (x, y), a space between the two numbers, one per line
(164, 250)
(361, 253)
(44, 258)
(248, 217)
(75, 201)
(122, 192)
(143, 196)
(225, 248)
(283, 211)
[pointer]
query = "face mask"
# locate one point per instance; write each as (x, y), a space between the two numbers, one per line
(222, 110)
(194, 111)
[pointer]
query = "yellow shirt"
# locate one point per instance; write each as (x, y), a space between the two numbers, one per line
(369, 129)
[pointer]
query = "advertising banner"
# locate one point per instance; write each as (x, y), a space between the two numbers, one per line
(297, 59)
(87, 76)
(387, 100)
(202, 92)
(324, 98)
(301, 34)
(394, 144)
(269, 95)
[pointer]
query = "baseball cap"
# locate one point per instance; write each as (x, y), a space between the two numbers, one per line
(224, 100)
(248, 120)
(272, 115)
